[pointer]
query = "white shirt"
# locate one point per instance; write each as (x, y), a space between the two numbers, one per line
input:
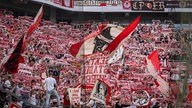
(50, 82)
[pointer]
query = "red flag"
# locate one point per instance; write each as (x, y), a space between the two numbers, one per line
(155, 59)
(118, 41)
(15, 58)
(11, 62)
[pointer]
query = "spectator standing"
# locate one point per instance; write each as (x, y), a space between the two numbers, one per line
(51, 86)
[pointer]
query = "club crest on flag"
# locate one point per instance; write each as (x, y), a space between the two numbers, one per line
(108, 38)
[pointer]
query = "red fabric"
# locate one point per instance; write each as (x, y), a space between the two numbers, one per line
(155, 59)
(75, 48)
(122, 36)
(66, 4)
(156, 83)
(36, 22)
(66, 100)
(190, 92)
(103, 4)
(12, 63)
(13, 105)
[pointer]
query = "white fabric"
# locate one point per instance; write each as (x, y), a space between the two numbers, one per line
(92, 104)
(7, 83)
(50, 82)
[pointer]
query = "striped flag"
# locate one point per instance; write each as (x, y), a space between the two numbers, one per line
(118, 41)
(152, 66)
(109, 38)
(36, 22)
(11, 62)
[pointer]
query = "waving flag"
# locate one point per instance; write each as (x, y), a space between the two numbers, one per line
(118, 41)
(152, 66)
(96, 41)
(155, 59)
(11, 62)
(117, 55)
(36, 22)
(109, 38)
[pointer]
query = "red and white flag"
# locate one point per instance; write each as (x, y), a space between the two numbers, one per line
(36, 22)
(11, 62)
(124, 35)
(153, 65)
(108, 38)
(96, 41)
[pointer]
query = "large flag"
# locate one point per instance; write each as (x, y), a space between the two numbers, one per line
(118, 41)
(36, 22)
(152, 66)
(109, 37)
(101, 92)
(11, 62)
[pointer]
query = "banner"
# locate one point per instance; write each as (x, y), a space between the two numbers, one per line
(140, 97)
(74, 95)
(55, 71)
(148, 5)
(101, 92)
(178, 4)
(95, 67)
(97, 2)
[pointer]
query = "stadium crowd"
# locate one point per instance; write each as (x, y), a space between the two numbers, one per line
(49, 46)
